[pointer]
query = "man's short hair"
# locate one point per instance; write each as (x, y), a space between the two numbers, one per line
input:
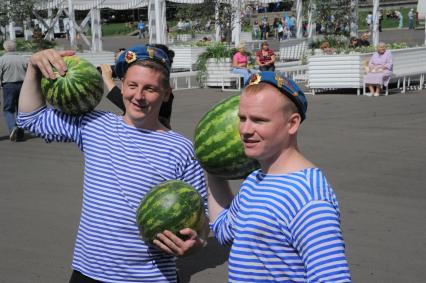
(9, 45)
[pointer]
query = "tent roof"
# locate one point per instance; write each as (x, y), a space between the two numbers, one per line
(113, 4)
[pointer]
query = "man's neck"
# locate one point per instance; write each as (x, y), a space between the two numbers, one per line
(290, 160)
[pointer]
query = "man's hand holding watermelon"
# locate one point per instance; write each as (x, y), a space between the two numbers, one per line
(174, 245)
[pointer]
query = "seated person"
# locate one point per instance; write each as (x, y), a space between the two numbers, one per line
(354, 42)
(265, 58)
(364, 40)
(326, 49)
(240, 63)
(379, 70)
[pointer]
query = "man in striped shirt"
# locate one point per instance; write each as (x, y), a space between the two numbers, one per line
(125, 156)
(283, 224)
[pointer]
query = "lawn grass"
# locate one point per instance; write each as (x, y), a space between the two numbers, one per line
(386, 23)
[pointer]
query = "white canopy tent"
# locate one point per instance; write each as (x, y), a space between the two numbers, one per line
(156, 16)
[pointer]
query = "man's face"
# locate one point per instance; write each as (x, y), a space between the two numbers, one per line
(265, 46)
(143, 94)
(264, 126)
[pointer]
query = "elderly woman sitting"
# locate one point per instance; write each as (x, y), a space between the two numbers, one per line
(379, 70)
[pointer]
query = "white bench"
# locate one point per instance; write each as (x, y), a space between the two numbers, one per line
(226, 77)
(407, 63)
(175, 78)
(294, 49)
(185, 57)
(98, 58)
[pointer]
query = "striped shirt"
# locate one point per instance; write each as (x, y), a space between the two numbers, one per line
(284, 228)
(122, 164)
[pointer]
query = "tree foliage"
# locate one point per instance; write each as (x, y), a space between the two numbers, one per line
(335, 16)
(16, 10)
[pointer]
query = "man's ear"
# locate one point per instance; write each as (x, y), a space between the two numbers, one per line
(294, 122)
(167, 93)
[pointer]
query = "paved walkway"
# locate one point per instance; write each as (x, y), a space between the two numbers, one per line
(372, 150)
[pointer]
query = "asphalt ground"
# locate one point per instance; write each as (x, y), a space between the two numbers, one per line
(371, 149)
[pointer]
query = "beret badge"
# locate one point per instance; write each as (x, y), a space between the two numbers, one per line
(151, 53)
(255, 79)
(130, 57)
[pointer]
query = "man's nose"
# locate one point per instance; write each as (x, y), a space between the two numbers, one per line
(140, 94)
(246, 128)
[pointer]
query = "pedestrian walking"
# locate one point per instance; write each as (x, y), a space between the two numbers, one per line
(411, 19)
(141, 28)
(12, 73)
(369, 21)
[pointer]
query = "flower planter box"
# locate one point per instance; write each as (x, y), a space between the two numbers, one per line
(336, 71)
(186, 56)
(216, 72)
(347, 70)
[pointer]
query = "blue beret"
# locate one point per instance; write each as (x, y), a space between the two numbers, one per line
(139, 53)
(286, 86)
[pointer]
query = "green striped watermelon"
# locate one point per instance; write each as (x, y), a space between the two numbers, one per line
(217, 142)
(172, 205)
(80, 90)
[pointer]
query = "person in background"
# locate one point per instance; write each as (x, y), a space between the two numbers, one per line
(411, 19)
(326, 49)
(364, 40)
(114, 92)
(380, 69)
(369, 21)
(400, 18)
(284, 223)
(141, 28)
(125, 157)
(256, 30)
(240, 62)
(265, 58)
(354, 42)
(12, 73)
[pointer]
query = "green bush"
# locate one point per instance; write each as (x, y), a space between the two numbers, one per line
(31, 46)
(215, 51)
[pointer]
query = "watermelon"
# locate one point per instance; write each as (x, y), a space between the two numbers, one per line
(217, 142)
(172, 205)
(80, 90)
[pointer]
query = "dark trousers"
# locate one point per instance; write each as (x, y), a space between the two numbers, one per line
(267, 68)
(78, 277)
(10, 102)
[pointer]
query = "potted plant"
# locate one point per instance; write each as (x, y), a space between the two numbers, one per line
(213, 63)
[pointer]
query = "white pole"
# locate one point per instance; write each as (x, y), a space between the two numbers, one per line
(163, 23)
(217, 20)
(151, 21)
(310, 18)
(376, 23)
(95, 24)
(50, 31)
(71, 23)
(299, 19)
(236, 30)
(12, 35)
(157, 22)
(354, 18)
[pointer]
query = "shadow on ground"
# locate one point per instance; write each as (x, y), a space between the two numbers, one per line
(209, 257)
